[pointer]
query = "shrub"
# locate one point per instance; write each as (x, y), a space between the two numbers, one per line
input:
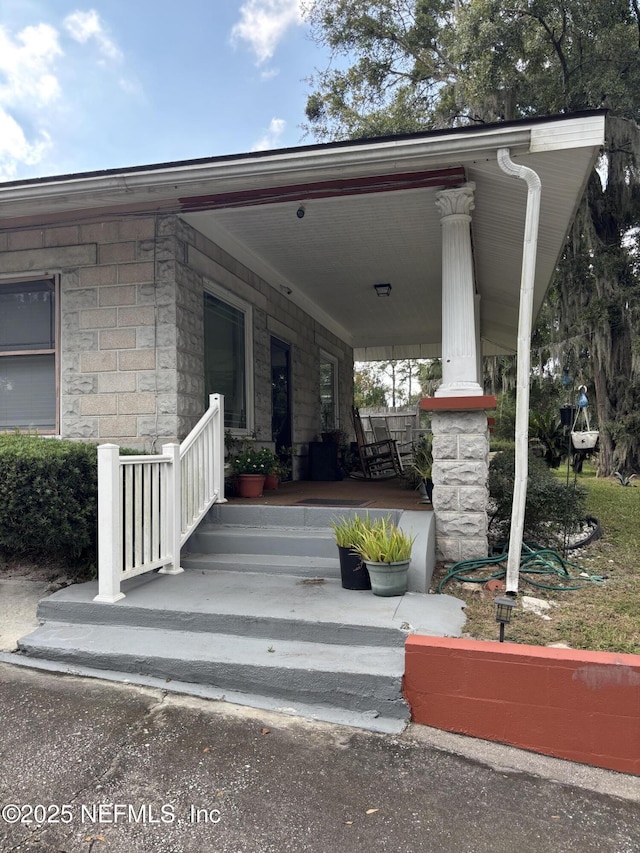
(547, 436)
(551, 506)
(501, 444)
(48, 500)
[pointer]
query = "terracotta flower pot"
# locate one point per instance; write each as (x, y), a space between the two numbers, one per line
(250, 485)
(271, 482)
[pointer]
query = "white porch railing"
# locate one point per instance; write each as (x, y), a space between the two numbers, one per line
(149, 505)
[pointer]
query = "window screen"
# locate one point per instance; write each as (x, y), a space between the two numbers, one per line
(27, 356)
(225, 360)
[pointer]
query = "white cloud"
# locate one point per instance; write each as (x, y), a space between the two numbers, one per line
(15, 148)
(25, 65)
(83, 26)
(30, 88)
(263, 23)
(272, 137)
(26, 68)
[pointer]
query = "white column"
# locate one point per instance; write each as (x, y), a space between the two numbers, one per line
(479, 370)
(459, 336)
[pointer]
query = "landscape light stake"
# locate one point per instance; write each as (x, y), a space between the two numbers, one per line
(504, 606)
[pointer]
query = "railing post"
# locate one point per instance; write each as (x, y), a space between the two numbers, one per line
(109, 524)
(217, 454)
(173, 509)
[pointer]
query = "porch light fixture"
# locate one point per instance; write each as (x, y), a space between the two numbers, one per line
(300, 212)
(504, 607)
(383, 289)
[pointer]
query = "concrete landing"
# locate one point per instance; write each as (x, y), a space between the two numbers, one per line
(200, 598)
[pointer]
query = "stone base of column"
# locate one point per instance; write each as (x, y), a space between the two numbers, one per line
(460, 472)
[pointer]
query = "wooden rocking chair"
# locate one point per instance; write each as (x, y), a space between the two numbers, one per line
(381, 432)
(379, 459)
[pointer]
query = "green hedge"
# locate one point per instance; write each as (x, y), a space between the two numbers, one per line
(48, 499)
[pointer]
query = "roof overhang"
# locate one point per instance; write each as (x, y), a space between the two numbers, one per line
(369, 217)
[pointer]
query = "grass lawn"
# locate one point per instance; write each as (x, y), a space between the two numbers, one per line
(599, 617)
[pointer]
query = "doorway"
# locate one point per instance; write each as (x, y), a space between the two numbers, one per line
(281, 399)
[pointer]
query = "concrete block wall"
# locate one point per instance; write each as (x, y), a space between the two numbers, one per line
(460, 472)
(578, 705)
(109, 373)
(131, 335)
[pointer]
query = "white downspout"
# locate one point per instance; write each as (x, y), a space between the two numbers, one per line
(525, 322)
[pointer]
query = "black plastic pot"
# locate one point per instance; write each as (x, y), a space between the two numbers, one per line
(567, 414)
(352, 570)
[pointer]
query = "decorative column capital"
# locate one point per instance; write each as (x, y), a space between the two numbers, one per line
(456, 201)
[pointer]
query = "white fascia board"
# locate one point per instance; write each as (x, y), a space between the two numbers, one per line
(289, 166)
(586, 132)
(295, 165)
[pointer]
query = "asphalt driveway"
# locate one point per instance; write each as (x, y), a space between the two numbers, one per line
(88, 765)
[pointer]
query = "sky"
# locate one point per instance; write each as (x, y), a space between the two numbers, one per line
(100, 84)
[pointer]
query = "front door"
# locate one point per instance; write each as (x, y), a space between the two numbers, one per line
(281, 398)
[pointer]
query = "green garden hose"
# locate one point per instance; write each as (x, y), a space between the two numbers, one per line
(535, 562)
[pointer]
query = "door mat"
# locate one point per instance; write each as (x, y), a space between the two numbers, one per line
(331, 502)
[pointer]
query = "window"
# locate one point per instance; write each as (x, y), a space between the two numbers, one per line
(328, 392)
(227, 357)
(28, 388)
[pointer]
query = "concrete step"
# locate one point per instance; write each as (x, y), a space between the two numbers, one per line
(277, 606)
(270, 541)
(289, 516)
(297, 540)
(301, 566)
(368, 679)
(258, 617)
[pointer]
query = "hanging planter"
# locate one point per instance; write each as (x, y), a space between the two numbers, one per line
(587, 438)
(567, 415)
(584, 439)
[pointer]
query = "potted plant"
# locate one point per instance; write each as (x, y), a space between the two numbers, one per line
(421, 467)
(251, 466)
(273, 470)
(280, 468)
(347, 530)
(386, 552)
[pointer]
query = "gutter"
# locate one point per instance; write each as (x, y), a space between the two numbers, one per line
(73, 192)
(525, 322)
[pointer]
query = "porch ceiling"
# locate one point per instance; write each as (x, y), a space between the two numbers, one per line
(330, 259)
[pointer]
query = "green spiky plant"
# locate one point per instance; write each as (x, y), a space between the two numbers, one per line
(348, 529)
(384, 542)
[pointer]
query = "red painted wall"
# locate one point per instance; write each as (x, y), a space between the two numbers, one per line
(582, 706)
